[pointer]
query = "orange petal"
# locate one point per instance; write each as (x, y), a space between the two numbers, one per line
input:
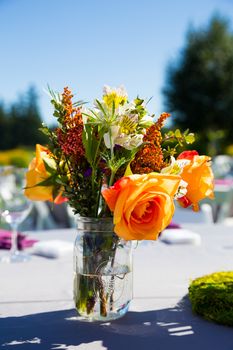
(111, 194)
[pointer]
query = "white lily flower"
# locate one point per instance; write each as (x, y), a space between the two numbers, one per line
(126, 108)
(176, 166)
(120, 91)
(128, 141)
(173, 168)
(182, 190)
(135, 141)
(110, 137)
(118, 96)
(183, 162)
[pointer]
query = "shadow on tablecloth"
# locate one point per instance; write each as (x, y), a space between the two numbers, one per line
(173, 328)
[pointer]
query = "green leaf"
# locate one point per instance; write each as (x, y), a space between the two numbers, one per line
(101, 107)
(45, 130)
(113, 108)
(48, 182)
(148, 101)
(169, 134)
(50, 165)
(62, 180)
(190, 138)
(178, 134)
(87, 142)
(138, 101)
(79, 103)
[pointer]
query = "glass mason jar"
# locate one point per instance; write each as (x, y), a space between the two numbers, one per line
(102, 271)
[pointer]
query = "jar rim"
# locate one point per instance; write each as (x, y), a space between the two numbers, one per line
(93, 219)
(95, 224)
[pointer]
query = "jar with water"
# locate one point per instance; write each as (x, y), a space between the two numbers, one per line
(102, 271)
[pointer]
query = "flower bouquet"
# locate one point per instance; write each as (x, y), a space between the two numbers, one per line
(121, 174)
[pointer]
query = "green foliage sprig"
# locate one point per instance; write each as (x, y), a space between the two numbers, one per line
(172, 140)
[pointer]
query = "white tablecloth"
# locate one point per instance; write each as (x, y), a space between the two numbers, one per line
(37, 311)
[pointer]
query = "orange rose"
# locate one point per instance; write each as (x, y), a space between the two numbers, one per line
(142, 204)
(36, 174)
(199, 176)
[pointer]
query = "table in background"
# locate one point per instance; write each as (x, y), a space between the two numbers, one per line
(223, 203)
(37, 311)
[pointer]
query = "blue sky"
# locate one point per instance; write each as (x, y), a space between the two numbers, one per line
(86, 44)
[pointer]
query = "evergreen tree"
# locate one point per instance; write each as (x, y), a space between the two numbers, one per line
(5, 138)
(19, 126)
(199, 85)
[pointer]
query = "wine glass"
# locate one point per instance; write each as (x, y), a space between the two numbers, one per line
(14, 208)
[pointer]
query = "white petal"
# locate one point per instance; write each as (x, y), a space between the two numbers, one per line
(114, 131)
(107, 140)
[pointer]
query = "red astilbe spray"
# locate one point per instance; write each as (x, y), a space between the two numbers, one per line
(70, 134)
(150, 157)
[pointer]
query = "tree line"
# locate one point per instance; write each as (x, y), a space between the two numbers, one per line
(19, 122)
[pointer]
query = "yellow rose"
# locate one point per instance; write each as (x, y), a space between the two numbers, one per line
(142, 204)
(36, 174)
(199, 176)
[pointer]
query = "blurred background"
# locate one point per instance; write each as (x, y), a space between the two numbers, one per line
(179, 53)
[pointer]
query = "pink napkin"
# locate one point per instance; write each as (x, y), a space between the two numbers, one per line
(173, 225)
(227, 182)
(23, 242)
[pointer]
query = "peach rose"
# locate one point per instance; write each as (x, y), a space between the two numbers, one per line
(199, 176)
(36, 174)
(142, 204)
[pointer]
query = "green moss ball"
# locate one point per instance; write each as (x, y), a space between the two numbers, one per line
(211, 296)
